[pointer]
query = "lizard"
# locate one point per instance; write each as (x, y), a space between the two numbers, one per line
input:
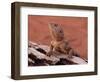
(58, 44)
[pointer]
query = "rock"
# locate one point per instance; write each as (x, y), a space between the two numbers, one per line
(37, 57)
(64, 62)
(30, 62)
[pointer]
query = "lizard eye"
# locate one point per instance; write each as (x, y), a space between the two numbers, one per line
(55, 25)
(60, 31)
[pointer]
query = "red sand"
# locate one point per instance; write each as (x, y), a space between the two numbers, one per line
(75, 30)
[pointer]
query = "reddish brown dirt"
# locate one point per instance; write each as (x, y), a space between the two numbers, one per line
(75, 29)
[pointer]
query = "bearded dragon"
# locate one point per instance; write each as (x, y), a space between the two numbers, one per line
(58, 44)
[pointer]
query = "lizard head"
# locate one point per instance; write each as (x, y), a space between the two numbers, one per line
(56, 32)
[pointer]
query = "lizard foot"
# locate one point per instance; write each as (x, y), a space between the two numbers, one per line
(49, 53)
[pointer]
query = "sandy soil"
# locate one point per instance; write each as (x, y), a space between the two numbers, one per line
(75, 30)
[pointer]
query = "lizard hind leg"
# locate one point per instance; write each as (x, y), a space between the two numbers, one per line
(73, 53)
(76, 54)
